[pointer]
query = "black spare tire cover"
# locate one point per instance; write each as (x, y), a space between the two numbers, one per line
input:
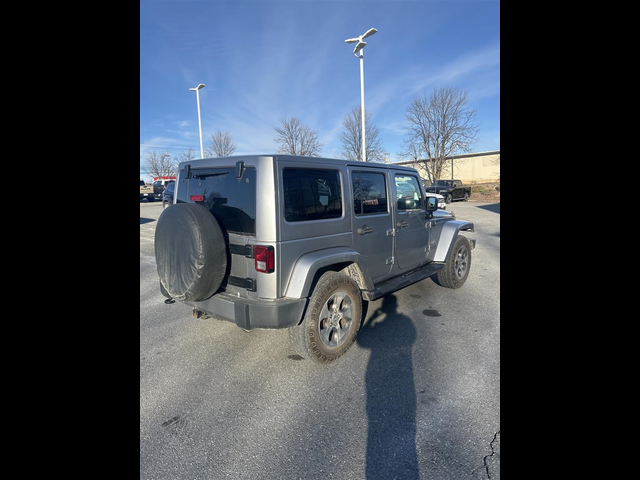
(191, 252)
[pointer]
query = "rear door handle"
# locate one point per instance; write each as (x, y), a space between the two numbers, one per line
(364, 230)
(401, 225)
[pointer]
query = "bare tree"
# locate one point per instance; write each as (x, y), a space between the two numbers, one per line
(439, 126)
(412, 152)
(221, 145)
(351, 137)
(297, 139)
(187, 155)
(159, 164)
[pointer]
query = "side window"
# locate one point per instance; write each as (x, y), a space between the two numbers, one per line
(311, 194)
(157, 183)
(409, 196)
(369, 193)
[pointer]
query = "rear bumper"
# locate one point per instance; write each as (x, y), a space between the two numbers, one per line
(250, 313)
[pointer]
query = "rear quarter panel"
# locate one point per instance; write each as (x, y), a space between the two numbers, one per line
(296, 239)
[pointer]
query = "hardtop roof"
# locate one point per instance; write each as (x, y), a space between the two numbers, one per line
(300, 159)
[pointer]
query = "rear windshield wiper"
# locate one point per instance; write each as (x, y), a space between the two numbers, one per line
(207, 175)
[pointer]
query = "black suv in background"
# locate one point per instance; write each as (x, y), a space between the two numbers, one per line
(167, 195)
(159, 186)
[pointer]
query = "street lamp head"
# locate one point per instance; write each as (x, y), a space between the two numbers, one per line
(360, 44)
(359, 47)
(202, 85)
(369, 32)
(366, 34)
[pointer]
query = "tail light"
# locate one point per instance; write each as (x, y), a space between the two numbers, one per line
(264, 259)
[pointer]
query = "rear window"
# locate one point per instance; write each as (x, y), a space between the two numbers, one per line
(311, 194)
(231, 200)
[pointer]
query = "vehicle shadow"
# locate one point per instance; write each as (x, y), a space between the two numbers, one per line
(391, 397)
(493, 207)
(146, 220)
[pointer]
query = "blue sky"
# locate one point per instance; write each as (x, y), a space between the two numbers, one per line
(265, 60)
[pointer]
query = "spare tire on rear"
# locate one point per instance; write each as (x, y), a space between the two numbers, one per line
(191, 252)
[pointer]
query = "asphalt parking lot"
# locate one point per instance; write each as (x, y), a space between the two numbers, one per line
(417, 396)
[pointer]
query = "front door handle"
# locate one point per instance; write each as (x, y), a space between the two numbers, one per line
(364, 230)
(401, 225)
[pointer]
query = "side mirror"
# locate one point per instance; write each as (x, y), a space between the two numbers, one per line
(432, 204)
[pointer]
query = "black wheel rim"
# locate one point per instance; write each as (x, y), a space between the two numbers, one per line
(335, 320)
(462, 262)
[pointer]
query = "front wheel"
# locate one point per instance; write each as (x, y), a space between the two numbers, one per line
(150, 199)
(456, 270)
(332, 321)
(448, 198)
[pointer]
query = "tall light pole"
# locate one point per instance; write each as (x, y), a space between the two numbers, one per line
(359, 48)
(197, 90)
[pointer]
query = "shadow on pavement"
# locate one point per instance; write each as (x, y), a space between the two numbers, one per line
(146, 220)
(391, 398)
(494, 207)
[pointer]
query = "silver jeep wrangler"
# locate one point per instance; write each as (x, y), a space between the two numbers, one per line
(280, 241)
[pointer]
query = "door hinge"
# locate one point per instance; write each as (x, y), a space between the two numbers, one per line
(427, 249)
(391, 232)
(390, 261)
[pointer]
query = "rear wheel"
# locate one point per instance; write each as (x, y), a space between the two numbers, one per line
(466, 196)
(332, 321)
(150, 198)
(448, 198)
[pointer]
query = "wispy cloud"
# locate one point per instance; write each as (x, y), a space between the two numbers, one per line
(419, 79)
(162, 144)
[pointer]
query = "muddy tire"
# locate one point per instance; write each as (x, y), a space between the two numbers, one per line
(456, 270)
(332, 319)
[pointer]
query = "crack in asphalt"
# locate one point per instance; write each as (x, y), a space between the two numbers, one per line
(486, 466)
